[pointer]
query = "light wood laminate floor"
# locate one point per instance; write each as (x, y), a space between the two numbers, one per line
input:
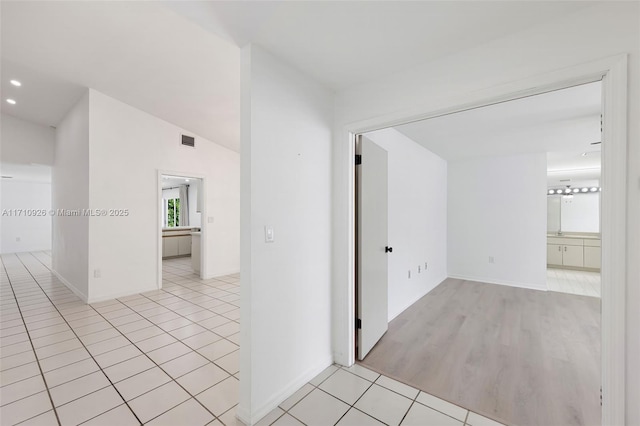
(522, 357)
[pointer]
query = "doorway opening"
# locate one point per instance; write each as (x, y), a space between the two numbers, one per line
(482, 313)
(181, 230)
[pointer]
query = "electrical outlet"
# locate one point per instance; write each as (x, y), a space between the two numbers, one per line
(418, 268)
(491, 259)
(409, 273)
(18, 239)
(96, 273)
(425, 266)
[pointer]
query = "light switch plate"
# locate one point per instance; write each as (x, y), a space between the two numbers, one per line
(268, 234)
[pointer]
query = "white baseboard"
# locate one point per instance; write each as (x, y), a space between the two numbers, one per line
(71, 287)
(252, 418)
(499, 282)
(121, 294)
(220, 274)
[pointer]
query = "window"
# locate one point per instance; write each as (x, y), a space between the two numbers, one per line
(172, 212)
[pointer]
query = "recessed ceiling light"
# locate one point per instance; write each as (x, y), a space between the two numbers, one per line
(16, 83)
(11, 101)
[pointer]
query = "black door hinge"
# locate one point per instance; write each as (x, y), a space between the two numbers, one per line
(358, 323)
(358, 159)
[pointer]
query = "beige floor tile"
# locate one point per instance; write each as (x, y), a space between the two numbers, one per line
(53, 338)
(47, 331)
(345, 386)
(143, 382)
(174, 324)
(19, 373)
(384, 405)
(319, 408)
(22, 389)
(116, 356)
(217, 349)
(119, 416)
(358, 418)
(169, 352)
(287, 420)
(158, 401)
(144, 333)
(128, 368)
(108, 345)
(99, 336)
(184, 364)
(89, 406)
(201, 339)
(297, 396)
(17, 360)
(363, 372)
(189, 413)
(58, 348)
(70, 372)
(229, 418)
(15, 349)
(214, 322)
(267, 420)
(227, 329)
(79, 387)
(230, 362)
(202, 378)
(397, 387)
(443, 406)
(155, 342)
(45, 419)
(323, 375)
(420, 415)
(478, 420)
(64, 359)
(220, 397)
(26, 408)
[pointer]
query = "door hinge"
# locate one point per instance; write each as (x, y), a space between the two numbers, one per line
(358, 159)
(601, 396)
(358, 323)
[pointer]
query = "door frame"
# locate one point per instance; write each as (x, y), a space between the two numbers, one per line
(613, 73)
(203, 222)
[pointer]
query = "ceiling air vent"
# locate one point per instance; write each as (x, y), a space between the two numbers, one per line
(188, 141)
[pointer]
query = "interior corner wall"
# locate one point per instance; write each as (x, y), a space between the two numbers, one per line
(286, 184)
(70, 191)
(497, 226)
(417, 218)
(128, 148)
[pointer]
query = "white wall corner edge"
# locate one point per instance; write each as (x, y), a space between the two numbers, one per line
(414, 300)
(84, 297)
(293, 386)
(528, 286)
(220, 274)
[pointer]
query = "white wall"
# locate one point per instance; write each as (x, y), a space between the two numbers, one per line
(23, 142)
(70, 191)
(128, 147)
(497, 208)
(25, 233)
(581, 213)
(286, 184)
(593, 33)
(194, 215)
(417, 218)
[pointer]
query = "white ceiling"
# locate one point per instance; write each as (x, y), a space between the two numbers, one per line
(180, 60)
(343, 44)
(563, 124)
(25, 172)
(138, 52)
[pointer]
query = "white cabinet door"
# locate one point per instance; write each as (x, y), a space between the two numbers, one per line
(573, 256)
(554, 254)
(592, 257)
(170, 245)
(184, 244)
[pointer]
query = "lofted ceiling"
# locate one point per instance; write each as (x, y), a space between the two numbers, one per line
(180, 60)
(140, 53)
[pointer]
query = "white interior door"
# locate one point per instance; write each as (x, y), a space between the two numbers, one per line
(372, 242)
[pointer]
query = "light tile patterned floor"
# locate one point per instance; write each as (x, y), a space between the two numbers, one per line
(583, 283)
(166, 357)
